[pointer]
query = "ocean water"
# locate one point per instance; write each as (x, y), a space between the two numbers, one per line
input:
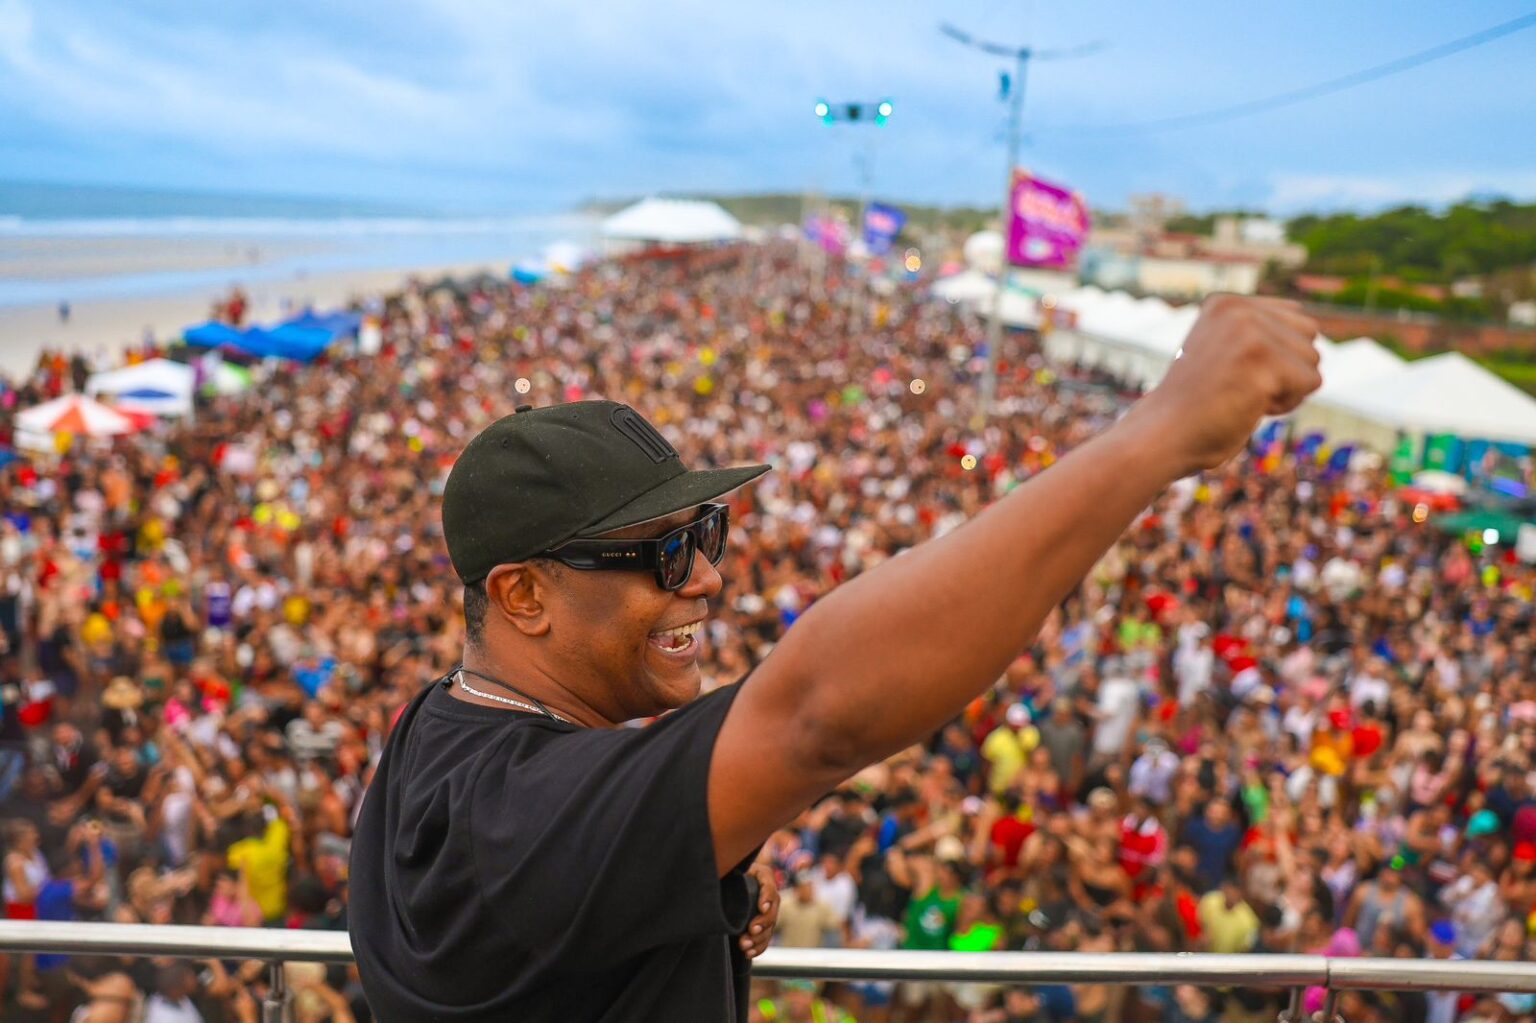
(77, 243)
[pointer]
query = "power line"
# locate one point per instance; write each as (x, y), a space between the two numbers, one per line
(1300, 95)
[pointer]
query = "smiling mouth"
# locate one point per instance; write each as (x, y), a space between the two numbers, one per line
(680, 641)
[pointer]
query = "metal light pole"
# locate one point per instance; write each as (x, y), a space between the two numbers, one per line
(1021, 56)
(877, 114)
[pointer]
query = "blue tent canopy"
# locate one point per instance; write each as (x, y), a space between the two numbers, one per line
(142, 393)
(302, 344)
(212, 334)
(529, 273)
(340, 324)
(298, 341)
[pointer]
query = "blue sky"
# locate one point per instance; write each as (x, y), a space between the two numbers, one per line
(515, 104)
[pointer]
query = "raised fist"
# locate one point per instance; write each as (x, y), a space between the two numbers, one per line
(1245, 358)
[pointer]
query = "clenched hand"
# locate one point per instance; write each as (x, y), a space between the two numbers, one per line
(759, 931)
(1245, 358)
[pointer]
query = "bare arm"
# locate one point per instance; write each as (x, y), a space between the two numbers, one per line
(16, 873)
(341, 1011)
(884, 660)
(1352, 912)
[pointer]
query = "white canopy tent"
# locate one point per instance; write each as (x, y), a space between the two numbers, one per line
(983, 251)
(1359, 359)
(969, 286)
(159, 386)
(672, 222)
(1135, 339)
(1343, 366)
(1446, 393)
(1369, 395)
(1019, 310)
(978, 291)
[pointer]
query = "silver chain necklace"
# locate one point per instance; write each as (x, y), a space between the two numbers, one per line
(472, 691)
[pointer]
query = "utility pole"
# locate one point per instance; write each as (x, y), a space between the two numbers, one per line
(1021, 56)
(995, 327)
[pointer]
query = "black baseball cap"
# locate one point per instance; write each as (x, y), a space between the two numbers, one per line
(541, 476)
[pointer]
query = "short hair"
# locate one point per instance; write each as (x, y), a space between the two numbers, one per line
(16, 828)
(171, 977)
(475, 605)
(477, 602)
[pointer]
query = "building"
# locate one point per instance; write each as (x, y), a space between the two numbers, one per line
(1171, 265)
(1143, 256)
(1255, 238)
(1195, 276)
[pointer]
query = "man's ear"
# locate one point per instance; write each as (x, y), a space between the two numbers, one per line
(520, 591)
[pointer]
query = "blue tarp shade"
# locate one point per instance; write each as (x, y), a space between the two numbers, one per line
(212, 334)
(340, 324)
(301, 344)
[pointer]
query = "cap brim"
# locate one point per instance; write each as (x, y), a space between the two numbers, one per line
(677, 494)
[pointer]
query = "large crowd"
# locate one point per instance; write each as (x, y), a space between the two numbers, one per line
(1280, 715)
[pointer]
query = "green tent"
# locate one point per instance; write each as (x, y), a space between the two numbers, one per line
(1480, 520)
(1404, 461)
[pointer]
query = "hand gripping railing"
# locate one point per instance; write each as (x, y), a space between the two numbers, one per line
(1296, 972)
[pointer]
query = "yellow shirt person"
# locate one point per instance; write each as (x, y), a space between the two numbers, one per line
(264, 862)
(1007, 748)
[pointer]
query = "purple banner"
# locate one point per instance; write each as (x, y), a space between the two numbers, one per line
(882, 225)
(1047, 225)
(831, 234)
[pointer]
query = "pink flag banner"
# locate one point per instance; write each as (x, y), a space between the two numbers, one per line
(1046, 224)
(831, 234)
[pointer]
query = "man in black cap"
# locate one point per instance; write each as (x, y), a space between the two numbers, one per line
(521, 857)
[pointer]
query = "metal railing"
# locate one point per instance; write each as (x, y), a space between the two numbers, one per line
(1296, 972)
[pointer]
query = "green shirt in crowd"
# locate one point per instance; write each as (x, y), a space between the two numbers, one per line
(930, 920)
(977, 938)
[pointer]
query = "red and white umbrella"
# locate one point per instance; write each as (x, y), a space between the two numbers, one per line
(77, 415)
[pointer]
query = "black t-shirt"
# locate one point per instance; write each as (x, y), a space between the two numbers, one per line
(74, 765)
(173, 629)
(507, 866)
(124, 786)
(879, 894)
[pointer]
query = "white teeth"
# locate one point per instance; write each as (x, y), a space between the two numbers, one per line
(682, 630)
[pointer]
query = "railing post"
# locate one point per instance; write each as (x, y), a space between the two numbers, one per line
(1292, 1012)
(1330, 1007)
(276, 1007)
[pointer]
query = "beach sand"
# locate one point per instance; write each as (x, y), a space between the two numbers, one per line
(107, 326)
(67, 259)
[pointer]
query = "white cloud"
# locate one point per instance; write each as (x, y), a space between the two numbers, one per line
(623, 95)
(15, 25)
(222, 90)
(1291, 193)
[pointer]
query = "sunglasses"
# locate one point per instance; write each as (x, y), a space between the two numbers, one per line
(670, 556)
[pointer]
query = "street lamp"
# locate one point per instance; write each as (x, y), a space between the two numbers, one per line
(858, 113)
(854, 113)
